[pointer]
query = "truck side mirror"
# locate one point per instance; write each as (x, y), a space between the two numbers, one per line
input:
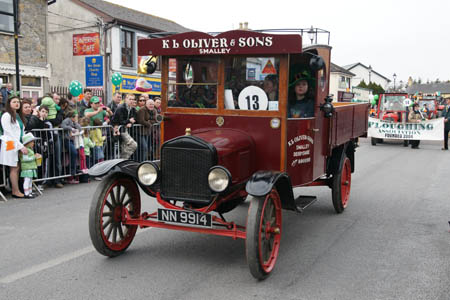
(327, 107)
(316, 63)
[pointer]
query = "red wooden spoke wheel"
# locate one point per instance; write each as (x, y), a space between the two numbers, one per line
(262, 242)
(342, 181)
(108, 233)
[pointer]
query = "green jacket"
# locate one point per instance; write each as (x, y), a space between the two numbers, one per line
(88, 144)
(28, 161)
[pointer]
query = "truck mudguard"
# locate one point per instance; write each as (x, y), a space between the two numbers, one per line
(336, 157)
(106, 166)
(262, 182)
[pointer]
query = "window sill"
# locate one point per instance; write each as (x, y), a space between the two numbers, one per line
(9, 33)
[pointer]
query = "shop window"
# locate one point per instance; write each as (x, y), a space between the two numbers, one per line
(6, 15)
(31, 81)
(30, 94)
(127, 45)
(3, 79)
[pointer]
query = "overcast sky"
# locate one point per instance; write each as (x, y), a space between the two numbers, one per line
(405, 37)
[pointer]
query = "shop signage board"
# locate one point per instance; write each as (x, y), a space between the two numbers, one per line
(86, 44)
(94, 71)
(128, 85)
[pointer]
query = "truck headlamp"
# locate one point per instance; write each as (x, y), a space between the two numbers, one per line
(218, 179)
(147, 173)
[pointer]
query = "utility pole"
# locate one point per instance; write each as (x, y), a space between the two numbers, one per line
(16, 42)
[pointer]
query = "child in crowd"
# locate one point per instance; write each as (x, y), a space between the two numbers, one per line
(98, 139)
(88, 144)
(28, 165)
(71, 130)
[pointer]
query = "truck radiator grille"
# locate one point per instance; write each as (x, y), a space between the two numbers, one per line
(185, 174)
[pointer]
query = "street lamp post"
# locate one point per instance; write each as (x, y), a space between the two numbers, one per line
(395, 76)
(311, 34)
(370, 72)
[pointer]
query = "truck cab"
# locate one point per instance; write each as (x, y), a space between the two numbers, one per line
(393, 107)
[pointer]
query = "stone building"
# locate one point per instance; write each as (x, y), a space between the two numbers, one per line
(89, 40)
(34, 69)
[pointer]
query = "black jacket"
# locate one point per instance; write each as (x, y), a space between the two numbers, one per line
(446, 115)
(123, 115)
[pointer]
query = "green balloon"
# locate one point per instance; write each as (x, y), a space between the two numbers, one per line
(375, 97)
(116, 78)
(75, 88)
(373, 102)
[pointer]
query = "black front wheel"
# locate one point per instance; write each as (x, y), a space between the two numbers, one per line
(115, 194)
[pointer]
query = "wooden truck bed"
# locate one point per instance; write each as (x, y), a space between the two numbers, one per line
(350, 120)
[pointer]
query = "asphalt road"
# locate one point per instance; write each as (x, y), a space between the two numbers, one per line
(392, 242)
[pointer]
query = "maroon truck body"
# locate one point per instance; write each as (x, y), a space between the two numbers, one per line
(225, 140)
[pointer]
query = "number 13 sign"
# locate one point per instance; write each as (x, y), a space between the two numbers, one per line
(253, 98)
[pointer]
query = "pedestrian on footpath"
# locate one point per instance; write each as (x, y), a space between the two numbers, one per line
(446, 115)
(13, 131)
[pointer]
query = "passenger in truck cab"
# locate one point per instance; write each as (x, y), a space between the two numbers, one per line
(301, 99)
(270, 86)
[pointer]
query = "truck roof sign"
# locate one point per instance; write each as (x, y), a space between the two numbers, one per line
(230, 42)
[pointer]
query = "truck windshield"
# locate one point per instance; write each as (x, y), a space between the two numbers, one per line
(251, 83)
(193, 82)
(391, 102)
(429, 103)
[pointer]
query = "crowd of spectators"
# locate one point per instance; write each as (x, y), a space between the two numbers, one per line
(70, 136)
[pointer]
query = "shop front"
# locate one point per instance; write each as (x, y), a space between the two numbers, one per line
(33, 79)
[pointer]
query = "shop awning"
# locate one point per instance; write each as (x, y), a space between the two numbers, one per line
(26, 70)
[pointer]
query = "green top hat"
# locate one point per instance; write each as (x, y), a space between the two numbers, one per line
(299, 76)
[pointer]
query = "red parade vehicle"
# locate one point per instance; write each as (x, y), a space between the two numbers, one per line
(392, 107)
(227, 138)
(429, 106)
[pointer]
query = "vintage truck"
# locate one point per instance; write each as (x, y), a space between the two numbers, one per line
(226, 138)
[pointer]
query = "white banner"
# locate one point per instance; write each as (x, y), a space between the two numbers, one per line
(430, 130)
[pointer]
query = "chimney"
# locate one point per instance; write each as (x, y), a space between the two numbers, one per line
(246, 25)
(240, 25)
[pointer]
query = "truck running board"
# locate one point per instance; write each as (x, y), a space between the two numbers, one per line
(302, 202)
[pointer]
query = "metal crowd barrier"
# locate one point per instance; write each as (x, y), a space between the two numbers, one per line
(3, 182)
(59, 160)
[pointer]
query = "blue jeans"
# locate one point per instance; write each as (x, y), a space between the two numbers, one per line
(73, 154)
(143, 147)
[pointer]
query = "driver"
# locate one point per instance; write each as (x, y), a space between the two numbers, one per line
(301, 100)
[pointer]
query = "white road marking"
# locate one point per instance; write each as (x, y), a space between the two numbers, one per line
(46, 265)
(51, 263)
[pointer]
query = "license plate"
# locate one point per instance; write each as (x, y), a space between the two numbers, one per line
(185, 217)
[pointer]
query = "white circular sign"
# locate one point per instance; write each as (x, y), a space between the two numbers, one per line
(253, 98)
(407, 102)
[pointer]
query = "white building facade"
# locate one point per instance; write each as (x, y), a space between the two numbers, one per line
(368, 74)
(340, 81)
